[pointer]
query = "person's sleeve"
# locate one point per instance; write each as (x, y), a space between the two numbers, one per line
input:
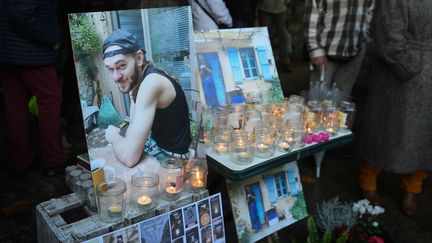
(25, 20)
(220, 12)
(312, 28)
(390, 31)
(368, 20)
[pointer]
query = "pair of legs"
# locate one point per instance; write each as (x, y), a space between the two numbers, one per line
(411, 184)
(19, 84)
(276, 25)
(343, 73)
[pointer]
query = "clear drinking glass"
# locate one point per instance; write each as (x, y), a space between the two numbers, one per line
(111, 200)
(144, 190)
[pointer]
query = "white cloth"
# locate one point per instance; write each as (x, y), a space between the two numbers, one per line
(218, 10)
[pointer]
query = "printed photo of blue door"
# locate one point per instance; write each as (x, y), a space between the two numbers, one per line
(211, 79)
(255, 205)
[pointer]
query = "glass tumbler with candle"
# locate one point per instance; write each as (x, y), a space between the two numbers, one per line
(198, 174)
(171, 178)
(221, 140)
(111, 200)
(286, 141)
(264, 143)
(241, 148)
(144, 190)
(236, 117)
(329, 117)
(312, 117)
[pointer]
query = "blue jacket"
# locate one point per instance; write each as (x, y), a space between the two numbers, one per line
(28, 32)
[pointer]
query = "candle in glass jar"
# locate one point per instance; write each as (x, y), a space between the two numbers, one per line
(144, 200)
(262, 146)
(115, 211)
(198, 183)
(221, 148)
(284, 145)
(244, 155)
(171, 189)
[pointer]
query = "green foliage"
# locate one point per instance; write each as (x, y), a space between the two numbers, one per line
(313, 236)
(333, 213)
(327, 237)
(276, 89)
(85, 39)
(344, 237)
(299, 211)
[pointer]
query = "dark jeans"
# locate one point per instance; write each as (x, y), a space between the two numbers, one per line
(19, 84)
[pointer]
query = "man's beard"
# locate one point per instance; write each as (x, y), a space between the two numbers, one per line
(134, 80)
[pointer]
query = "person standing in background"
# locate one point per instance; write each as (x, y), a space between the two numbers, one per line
(272, 13)
(335, 34)
(28, 53)
(210, 15)
(397, 131)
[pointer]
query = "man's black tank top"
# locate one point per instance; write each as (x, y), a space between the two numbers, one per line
(171, 126)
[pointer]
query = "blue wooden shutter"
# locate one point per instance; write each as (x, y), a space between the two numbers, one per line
(271, 188)
(292, 182)
(235, 65)
(265, 65)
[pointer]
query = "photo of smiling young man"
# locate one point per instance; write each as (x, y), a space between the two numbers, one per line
(159, 117)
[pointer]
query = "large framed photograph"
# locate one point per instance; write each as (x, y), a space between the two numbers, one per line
(266, 203)
(136, 87)
(236, 67)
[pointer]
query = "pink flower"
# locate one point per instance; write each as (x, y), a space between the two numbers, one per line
(375, 239)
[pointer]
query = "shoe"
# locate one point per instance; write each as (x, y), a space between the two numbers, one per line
(372, 196)
(408, 203)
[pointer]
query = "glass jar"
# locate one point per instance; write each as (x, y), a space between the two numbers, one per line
(68, 171)
(312, 117)
(91, 200)
(346, 114)
(144, 190)
(195, 173)
(171, 179)
(221, 140)
(208, 124)
(74, 177)
(85, 176)
(236, 117)
(85, 185)
(111, 200)
(286, 141)
(241, 148)
(252, 120)
(329, 117)
(264, 143)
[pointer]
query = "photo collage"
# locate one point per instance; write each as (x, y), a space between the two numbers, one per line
(201, 221)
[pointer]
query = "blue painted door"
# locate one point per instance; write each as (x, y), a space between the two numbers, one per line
(213, 85)
(256, 190)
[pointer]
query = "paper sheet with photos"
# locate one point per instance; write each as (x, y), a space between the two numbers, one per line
(201, 221)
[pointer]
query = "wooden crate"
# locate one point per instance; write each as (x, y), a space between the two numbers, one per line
(54, 225)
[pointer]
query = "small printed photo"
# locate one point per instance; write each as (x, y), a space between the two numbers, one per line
(206, 235)
(177, 226)
(190, 216)
(215, 207)
(218, 230)
(130, 235)
(192, 235)
(156, 229)
(179, 240)
(204, 213)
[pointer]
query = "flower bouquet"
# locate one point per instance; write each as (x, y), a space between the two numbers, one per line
(335, 221)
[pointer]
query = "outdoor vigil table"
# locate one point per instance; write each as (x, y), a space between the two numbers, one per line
(223, 165)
